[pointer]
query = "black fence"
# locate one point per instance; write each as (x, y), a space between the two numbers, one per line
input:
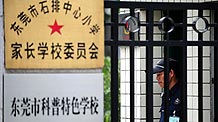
(167, 26)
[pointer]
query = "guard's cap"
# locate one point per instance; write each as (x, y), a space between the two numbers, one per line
(159, 67)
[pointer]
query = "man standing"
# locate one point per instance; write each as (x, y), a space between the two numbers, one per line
(174, 89)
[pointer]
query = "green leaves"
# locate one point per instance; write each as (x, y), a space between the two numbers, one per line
(107, 89)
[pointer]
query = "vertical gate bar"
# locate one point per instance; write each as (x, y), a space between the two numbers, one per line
(132, 35)
(184, 85)
(114, 67)
(166, 76)
(132, 79)
(200, 74)
(132, 85)
(149, 66)
(183, 68)
(166, 83)
(216, 69)
(167, 35)
(200, 83)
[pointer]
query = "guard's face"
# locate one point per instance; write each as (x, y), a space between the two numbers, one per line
(160, 79)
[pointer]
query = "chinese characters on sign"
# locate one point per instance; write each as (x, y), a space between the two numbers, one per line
(53, 97)
(54, 106)
(32, 12)
(50, 33)
(56, 51)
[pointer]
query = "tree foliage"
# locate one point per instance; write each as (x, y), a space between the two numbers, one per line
(107, 90)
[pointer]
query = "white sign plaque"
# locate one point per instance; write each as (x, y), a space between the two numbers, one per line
(53, 97)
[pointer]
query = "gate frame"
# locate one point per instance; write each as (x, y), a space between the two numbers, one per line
(114, 43)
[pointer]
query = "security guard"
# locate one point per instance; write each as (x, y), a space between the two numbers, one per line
(174, 89)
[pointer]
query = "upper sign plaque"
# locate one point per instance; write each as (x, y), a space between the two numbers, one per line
(54, 34)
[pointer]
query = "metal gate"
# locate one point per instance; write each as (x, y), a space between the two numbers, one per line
(167, 25)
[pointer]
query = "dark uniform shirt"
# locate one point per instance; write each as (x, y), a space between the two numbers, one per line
(174, 102)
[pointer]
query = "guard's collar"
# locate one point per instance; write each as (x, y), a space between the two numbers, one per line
(174, 88)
